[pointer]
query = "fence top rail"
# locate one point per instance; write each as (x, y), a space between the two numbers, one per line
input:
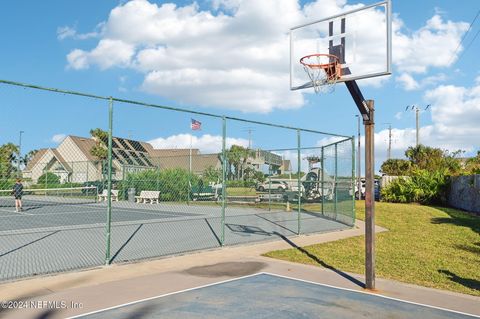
(308, 148)
(111, 98)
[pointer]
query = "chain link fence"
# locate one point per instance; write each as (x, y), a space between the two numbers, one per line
(102, 180)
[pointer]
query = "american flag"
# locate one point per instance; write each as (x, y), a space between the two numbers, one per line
(196, 125)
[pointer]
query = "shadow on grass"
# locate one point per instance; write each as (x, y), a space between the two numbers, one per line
(458, 218)
(475, 249)
(321, 262)
(466, 282)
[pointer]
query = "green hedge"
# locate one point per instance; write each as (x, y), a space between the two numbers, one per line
(422, 187)
(241, 183)
(173, 184)
(7, 183)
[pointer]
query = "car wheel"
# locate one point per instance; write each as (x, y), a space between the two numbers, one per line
(261, 189)
(281, 189)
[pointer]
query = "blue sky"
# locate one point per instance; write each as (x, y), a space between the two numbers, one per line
(115, 48)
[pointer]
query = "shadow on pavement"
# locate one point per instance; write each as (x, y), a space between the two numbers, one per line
(321, 262)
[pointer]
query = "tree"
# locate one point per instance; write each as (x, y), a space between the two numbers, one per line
(424, 157)
(28, 157)
(8, 156)
(396, 167)
(237, 157)
(234, 158)
(472, 165)
(211, 174)
(99, 150)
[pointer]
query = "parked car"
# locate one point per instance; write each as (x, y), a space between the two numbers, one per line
(376, 189)
(272, 185)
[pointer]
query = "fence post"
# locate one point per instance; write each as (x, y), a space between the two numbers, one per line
(335, 185)
(353, 180)
(224, 172)
(322, 182)
(269, 187)
(299, 167)
(109, 183)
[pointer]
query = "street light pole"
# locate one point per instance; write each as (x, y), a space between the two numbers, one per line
(19, 151)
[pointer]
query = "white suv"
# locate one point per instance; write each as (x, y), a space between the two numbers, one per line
(272, 185)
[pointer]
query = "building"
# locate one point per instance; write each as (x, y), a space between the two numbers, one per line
(72, 161)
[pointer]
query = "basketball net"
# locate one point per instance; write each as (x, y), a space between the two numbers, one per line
(323, 70)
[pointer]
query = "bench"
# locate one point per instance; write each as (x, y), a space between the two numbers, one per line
(205, 193)
(151, 197)
(104, 195)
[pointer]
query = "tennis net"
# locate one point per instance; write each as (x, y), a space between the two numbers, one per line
(51, 196)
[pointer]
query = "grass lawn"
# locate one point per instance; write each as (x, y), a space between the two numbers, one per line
(241, 191)
(429, 246)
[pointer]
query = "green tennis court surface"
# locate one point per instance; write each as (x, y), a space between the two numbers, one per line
(271, 296)
(53, 235)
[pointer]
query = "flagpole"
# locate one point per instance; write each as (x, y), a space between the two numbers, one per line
(190, 167)
(190, 162)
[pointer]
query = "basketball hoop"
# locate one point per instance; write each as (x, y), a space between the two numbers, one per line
(323, 70)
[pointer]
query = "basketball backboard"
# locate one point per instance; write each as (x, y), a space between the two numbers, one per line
(360, 38)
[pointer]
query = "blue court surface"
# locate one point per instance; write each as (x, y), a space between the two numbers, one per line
(271, 296)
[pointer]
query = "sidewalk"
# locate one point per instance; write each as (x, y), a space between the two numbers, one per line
(100, 288)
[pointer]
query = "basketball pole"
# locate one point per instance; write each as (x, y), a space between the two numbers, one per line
(367, 111)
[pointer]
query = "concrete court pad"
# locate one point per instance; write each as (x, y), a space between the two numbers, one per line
(270, 296)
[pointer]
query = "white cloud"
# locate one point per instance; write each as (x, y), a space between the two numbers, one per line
(236, 55)
(207, 144)
(71, 32)
(65, 32)
(58, 138)
(455, 114)
(433, 45)
(408, 83)
(107, 54)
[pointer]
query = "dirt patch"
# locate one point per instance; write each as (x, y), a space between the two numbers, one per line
(228, 269)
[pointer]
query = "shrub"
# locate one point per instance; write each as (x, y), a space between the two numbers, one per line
(422, 187)
(48, 178)
(241, 183)
(173, 184)
(7, 183)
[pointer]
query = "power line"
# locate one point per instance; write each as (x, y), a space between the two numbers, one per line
(464, 36)
(468, 46)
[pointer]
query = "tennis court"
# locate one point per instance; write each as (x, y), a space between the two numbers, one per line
(266, 295)
(65, 232)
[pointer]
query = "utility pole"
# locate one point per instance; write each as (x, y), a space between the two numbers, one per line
(390, 141)
(249, 130)
(417, 121)
(417, 112)
(389, 150)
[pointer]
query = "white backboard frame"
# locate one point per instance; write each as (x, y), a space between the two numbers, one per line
(295, 84)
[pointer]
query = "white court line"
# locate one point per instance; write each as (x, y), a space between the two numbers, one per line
(372, 294)
(15, 213)
(102, 209)
(164, 295)
(274, 275)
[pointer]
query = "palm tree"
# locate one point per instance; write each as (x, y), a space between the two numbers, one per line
(99, 150)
